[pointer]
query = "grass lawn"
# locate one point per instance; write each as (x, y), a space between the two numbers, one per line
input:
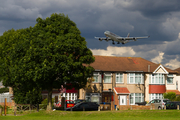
(98, 115)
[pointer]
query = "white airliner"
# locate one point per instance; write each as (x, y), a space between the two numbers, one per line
(111, 36)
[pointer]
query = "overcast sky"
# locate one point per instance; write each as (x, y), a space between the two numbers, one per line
(160, 19)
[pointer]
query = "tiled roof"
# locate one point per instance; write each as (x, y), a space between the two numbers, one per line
(124, 64)
(176, 91)
(121, 90)
(178, 70)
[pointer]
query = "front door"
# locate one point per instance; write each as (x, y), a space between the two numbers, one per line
(122, 100)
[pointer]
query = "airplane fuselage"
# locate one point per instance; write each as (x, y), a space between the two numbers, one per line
(111, 35)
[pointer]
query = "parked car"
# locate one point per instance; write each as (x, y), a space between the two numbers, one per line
(172, 105)
(69, 103)
(79, 101)
(159, 103)
(141, 103)
(84, 106)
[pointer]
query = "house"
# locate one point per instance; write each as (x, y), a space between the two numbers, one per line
(127, 80)
(177, 83)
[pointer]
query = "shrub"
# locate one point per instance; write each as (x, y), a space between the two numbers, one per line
(170, 95)
(1, 106)
(45, 101)
(178, 98)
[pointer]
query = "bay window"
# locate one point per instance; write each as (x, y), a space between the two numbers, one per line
(156, 79)
(155, 96)
(136, 97)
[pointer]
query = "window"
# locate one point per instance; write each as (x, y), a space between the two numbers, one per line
(70, 96)
(176, 85)
(97, 77)
(170, 79)
(136, 97)
(107, 77)
(119, 77)
(156, 79)
(155, 96)
(135, 78)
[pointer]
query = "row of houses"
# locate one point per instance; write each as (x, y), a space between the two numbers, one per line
(125, 80)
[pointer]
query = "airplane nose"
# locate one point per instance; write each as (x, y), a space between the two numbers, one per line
(105, 32)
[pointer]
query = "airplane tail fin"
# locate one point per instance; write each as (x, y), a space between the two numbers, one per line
(128, 34)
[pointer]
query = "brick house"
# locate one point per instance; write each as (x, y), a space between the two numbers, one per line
(127, 80)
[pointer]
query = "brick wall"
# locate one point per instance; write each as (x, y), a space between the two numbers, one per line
(133, 107)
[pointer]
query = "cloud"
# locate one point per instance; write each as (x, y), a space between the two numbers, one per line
(114, 51)
(159, 58)
(174, 63)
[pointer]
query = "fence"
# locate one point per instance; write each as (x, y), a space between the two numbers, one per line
(9, 100)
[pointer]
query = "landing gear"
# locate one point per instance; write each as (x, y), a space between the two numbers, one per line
(118, 43)
(113, 42)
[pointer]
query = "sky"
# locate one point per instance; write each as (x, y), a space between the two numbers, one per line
(159, 19)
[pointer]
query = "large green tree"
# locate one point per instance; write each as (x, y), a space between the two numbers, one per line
(46, 56)
(14, 68)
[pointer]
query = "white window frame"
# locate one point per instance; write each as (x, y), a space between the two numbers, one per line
(171, 77)
(131, 77)
(108, 74)
(157, 79)
(133, 97)
(155, 96)
(121, 77)
(98, 77)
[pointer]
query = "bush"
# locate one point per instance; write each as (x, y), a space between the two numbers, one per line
(178, 98)
(170, 95)
(45, 101)
(1, 106)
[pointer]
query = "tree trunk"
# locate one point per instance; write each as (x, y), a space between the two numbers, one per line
(49, 106)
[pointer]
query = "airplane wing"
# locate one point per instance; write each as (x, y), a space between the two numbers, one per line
(103, 38)
(132, 38)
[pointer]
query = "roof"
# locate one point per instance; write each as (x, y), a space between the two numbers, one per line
(121, 90)
(124, 64)
(178, 70)
(176, 91)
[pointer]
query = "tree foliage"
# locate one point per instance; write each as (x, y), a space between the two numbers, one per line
(170, 95)
(3, 90)
(46, 56)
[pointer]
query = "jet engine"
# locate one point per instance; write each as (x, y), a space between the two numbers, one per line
(134, 39)
(100, 39)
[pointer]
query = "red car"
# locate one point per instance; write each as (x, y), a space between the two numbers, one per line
(69, 103)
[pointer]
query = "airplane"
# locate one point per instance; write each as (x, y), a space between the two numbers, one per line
(111, 36)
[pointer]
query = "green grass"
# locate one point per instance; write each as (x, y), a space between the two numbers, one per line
(98, 115)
